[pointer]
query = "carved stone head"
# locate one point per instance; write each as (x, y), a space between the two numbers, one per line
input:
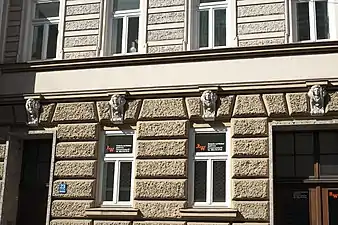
(33, 110)
(117, 103)
(317, 100)
(208, 100)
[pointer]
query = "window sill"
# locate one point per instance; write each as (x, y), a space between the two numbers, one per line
(215, 213)
(112, 213)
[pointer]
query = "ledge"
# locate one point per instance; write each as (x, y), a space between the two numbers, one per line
(215, 213)
(112, 213)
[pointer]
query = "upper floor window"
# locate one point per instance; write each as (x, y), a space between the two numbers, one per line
(209, 170)
(311, 20)
(117, 169)
(45, 29)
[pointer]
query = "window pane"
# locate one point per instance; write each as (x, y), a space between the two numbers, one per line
(284, 143)
(119, 144)
(304, 143)
(329, 165)
(52, 41)
(45, 10)
(220, 27)
(322, 21)
(328, 142)
(126, 4)
(204, 29)
(206, 1)
(303, 25)
(117, 35)
(200, 184)
(304, 166)
(133, 23)
(333, 207)
(37, 42)
(285, 166)
(109, 181)
(218, 180)
(210, 142)
(125, 181)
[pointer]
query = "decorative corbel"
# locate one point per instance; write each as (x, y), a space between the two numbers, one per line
(208, 100)
(33, 111)
(317, 100)
(117, 103)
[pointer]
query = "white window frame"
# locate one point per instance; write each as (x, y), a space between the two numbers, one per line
(194, 21)
(108, 36)
(210, 157)
(331, 10)
(117, 158)
(30, 21)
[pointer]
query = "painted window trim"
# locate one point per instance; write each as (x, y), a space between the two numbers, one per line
(128, 157)
(212, 156)
(332, 13)
(107, 35)
(231, 23)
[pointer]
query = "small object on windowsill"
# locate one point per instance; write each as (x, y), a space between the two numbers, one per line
(215, 213)
(111, 212)
(133, 48)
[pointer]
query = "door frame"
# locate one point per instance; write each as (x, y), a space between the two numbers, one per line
(21, 136)
(291, 125)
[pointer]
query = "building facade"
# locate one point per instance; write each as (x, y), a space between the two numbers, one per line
(155, 112)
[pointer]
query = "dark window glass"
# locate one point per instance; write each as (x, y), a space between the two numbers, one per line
(303, 24)
(200, 183)
(328, 142)
(285, 166)
(205, 142)
(109, 181)
(219, 183)
(52, 41)
(125, 181)
(45, 10)
(329, 165)
(333, 207)
(204, 29)
(304, 143)
(304, 165)
(37, 42)
(220, 27)
(119, 144)
(284, 143)
(117, 34)
(126, 4)
(322, 20)
(133, 24)
(207, 1)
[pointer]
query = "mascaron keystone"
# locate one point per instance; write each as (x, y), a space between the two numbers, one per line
(208, 100)
(117, 103)
(33, 111)
(317, 100)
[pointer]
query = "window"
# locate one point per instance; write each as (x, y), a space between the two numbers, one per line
(210, 168)
(311, 20)
(125, 20)
(117, 169)
(45, 20)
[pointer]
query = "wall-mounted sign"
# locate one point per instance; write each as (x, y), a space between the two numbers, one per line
(62, 188)
(119, 144)
(210, 142)
(300, 195)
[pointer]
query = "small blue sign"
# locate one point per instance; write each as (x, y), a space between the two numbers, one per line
(62, 188)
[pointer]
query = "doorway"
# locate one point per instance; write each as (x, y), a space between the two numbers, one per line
(34, 182)
(306, 177)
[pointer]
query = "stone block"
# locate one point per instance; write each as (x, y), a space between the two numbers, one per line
(250, 127)
(132, 110)
(78, 111)
(74, 150)
(167, 34)
(165, 48)
(171, 108)
(167, 17)
(161, 189)
(193, 107)
(70, 222)
(249, 106)
(78, 41)
(261, 27)
(79, 55)
(250, 147)
(82, 25)
(162, 149)
(297, 103)
(77, 132)
(250, 189)
(1, 170)
(159, 223)
(160, 209)
(102, 222)
(162, 129)
(103, 110)
(70, 208)
(261, 10)
(72, 10)
(47, 111)
(2, 151)
(332, 105)
(225, 108)
(161, 168)
(75, 169)
(6, 115)
(164, 3)
(250, 168)
(20, 114)
(261, 42)
(75, 189)
(253, 210)
(275, 104)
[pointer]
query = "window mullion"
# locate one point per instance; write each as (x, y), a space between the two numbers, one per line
(313, 19)
(211, 28)
(45, 41)
(209, 182)
(125, 35)
(116, 181)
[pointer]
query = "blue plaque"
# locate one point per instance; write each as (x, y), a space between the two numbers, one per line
(62, 188)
